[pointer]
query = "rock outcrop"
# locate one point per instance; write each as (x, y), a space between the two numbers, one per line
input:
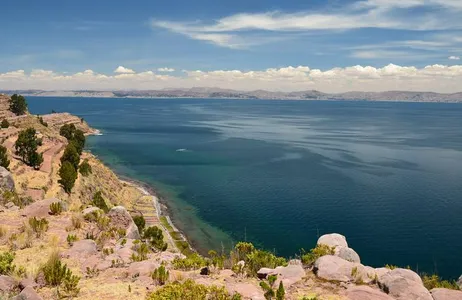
(403, 284)
(445, 294)
(363, 292)
(39, 209)
(7, 284)
(339, 243)
(334, 268)
(6, 180)
(27, 293)
(120, 218)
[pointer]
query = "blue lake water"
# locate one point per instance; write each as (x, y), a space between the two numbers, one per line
(279, 173)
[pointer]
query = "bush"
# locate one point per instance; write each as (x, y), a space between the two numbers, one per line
(192, 262)
(71, 155)
(99, 202)
(258, 259)
(4, 161)
(12, 196)
(160, 275)
(434, 281)
(71, 238)
(154, 236)
(6, 263)
(68, 175)
(267, 287)
(42, 122)
(26, 147)
(56, 208)
(320, 250)
(141, 250)
(77, 221)
(5, 123)
(190, 290)
(18, 105)
(39, 226)
(57, 274)
(85, 168)
(140, 222)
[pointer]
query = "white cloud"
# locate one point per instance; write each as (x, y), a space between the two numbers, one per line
(123, 70)
(230, 31)
(166, 70)
(452, 57)
(437, 78)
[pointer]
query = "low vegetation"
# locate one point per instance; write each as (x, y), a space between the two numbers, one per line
(12, 196)
(190, 290)
(39, 226)
(99, 201)
(191, 262)
(85, 168)
(56, 208)
(155, 238)
(58, 275)
(5, 123)
(6, 263)
(269, 288)
(434, 281)
(308, 258)
(140, 222)
(4, 161)
(160, 275)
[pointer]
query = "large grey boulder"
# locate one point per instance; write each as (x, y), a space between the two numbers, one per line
(81, 249)
(446, 294)
(333, 240)
(28, 294)
(347, 254)
(40, 209)
(403, 284)
(120, 218)
(142, 268)
(363, 292)
(334, 268)
(7, 284)
(6, 180)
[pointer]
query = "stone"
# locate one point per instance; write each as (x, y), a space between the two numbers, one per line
(332, 267)
(14, 208)
(120, 218)
(142, 268)
(446, 294)
(28, 294)
(333, 240)
(347, 254)
(90, 210)
(6, 180)
(381, 271)
(205, 271)
(39, 209)
(403, 284)
(9, 204)
(81, 249)
(247, 290)
(27, 282)
(7, 284)
(289, 275)
(362, 292)
(264, 272)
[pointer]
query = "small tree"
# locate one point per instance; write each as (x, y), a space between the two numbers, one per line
(67, 131)
(154, 236)
(280, 292)
(85, 168)
(79, 140)
(71, 155)
(68, 175)
(99, 201)
(160, 275)
(5, 123)
(18, 104)
(140, 222)
(4, 161)
(26, 147)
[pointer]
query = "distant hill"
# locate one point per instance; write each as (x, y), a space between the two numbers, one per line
(215, 93)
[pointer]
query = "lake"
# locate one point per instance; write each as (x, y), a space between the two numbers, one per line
(386, 175)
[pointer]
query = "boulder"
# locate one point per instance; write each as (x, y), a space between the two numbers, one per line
(90, 210)
(205, 271)
(28, 294)
(120, 218)
(334, 268)
(347, 254)
(27, 282)
(247, 290)
(403, 284)
(142, 268)
(333, 240)
(264, 272)
(9, 205)
(289, 275)
(446, 294)
(362, 292)
(39, 209)
(6, 180)
(81, 249)
(7, 284)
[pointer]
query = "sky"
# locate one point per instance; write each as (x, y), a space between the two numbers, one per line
(330, 45)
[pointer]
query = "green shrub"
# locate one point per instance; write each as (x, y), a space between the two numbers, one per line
(6, 263)
(5, 123)
(140, 222)
(160, 275)
(154, 236)
(71, 238)
(217, 260)
(267, 287)
(68, 175)
(4, 161)
(56, 208)
(58, 275)
(191, 262)
(18, 104)
(16, 199)
(189, 290)
(262, 259)
(242, 249)
(434, 281)
(280, 293)
(320, 250)
(85, 168)
(42, 121)
(71, 155)
(39, 226)
(26, 147)
(141, 251)
(99, 201)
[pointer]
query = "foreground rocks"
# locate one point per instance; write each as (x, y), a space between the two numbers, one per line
(403, 284)
(366, 293)
(6, 180)
(120, 218)
(339, 243)
(445, 294)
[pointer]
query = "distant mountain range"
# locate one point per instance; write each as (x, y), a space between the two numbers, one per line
(217, 93)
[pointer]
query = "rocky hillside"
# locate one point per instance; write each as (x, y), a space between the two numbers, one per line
(55, 245)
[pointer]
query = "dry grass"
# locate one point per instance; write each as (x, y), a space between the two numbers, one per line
(3, 231)
(77, 220)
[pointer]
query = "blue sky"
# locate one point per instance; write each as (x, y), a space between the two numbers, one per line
(67, 37)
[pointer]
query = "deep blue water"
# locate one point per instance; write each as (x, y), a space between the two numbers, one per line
(278, 173)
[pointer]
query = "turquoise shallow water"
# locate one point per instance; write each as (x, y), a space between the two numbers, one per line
(279, 173)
